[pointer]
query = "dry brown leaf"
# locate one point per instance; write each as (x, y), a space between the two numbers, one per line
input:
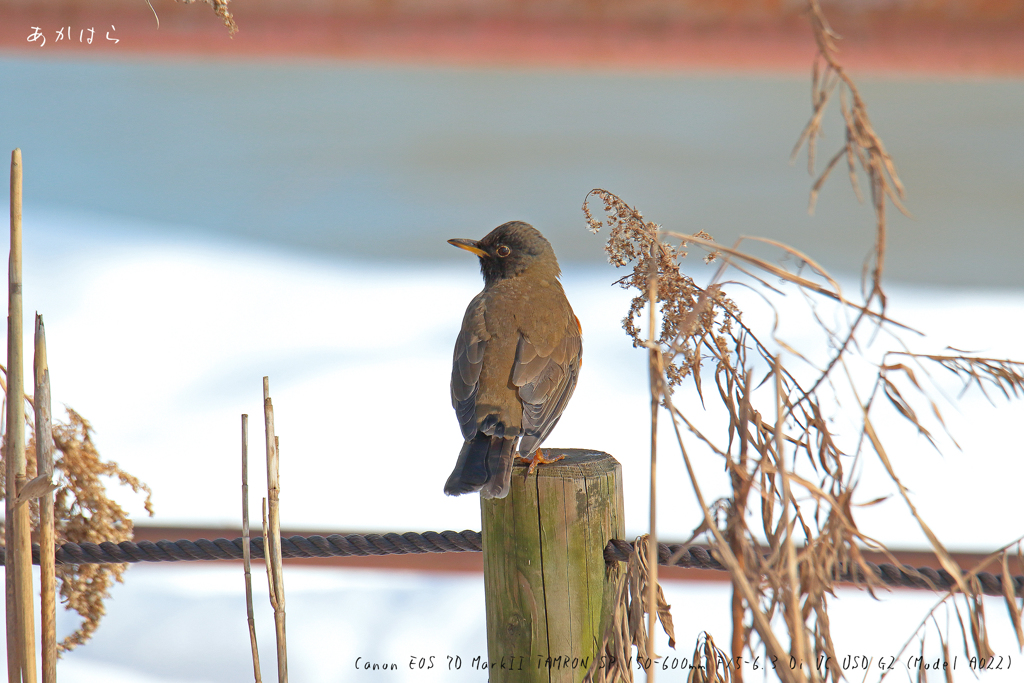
(35, 488)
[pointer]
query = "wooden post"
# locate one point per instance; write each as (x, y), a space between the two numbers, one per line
(548, 591)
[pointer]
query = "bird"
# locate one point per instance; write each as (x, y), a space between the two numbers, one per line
(516, 359)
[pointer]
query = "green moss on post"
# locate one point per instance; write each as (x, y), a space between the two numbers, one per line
(545, 578)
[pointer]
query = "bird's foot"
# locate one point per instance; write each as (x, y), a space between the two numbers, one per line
(538, 459)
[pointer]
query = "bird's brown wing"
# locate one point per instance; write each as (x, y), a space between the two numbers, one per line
(466, 365)
(546, 377)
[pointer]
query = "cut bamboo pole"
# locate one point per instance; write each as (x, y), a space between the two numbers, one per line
(20, 610)
(246, 560)
(47, 542)
(272, 545)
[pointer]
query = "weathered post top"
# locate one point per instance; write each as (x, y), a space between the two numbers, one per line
(547, 587)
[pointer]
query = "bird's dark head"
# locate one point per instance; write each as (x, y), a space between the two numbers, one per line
(510, 250)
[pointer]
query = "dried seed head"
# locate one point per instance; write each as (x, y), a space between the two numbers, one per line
(84, 512)
(690, 316)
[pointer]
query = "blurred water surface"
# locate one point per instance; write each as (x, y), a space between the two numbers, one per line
(387, 162)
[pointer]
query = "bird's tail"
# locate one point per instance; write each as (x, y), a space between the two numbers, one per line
(500, 462)
(485, 462)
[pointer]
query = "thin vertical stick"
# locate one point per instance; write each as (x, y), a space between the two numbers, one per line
(273, 543)
(245, 551)
(47, 543)
(20, 623)
(278, 562)
(655, 376)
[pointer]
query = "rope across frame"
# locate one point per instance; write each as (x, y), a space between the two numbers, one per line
(360, 545)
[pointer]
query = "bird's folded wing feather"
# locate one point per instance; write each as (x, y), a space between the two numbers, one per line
(546, 377)
(466, 364)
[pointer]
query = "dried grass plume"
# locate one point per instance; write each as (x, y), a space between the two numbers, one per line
(84, 512)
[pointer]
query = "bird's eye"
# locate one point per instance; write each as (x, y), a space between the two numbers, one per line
(503, 251)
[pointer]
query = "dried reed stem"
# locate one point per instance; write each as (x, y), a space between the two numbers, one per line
(272, 545)
(270, 577)
(13, 666)
(47, 542)
(266, 557)
(701, 325)
(728, 558)
(797, 629)
(741, 483)
(21, 657)
(655, 378)
(246, 560)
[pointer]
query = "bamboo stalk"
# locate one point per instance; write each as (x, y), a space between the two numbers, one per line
(257, 673)
(272, 545)
(47, 541)
(20, 619)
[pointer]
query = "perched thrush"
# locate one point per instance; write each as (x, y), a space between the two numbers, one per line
(516, 360)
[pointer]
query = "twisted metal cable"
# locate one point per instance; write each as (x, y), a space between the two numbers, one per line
(334, 545)
(359, 545)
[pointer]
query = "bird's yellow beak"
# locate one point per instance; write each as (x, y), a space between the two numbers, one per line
(469, 245)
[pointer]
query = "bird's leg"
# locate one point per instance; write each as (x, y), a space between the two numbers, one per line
(538, 459)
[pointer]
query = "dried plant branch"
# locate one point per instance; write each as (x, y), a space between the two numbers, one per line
(220, 8)
(84, 512)
(791, 470)
(950, 596)
(862, 148)
(792, 580)
(940, 551)
(808, 521)
(634, 597)
(1011, 599)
